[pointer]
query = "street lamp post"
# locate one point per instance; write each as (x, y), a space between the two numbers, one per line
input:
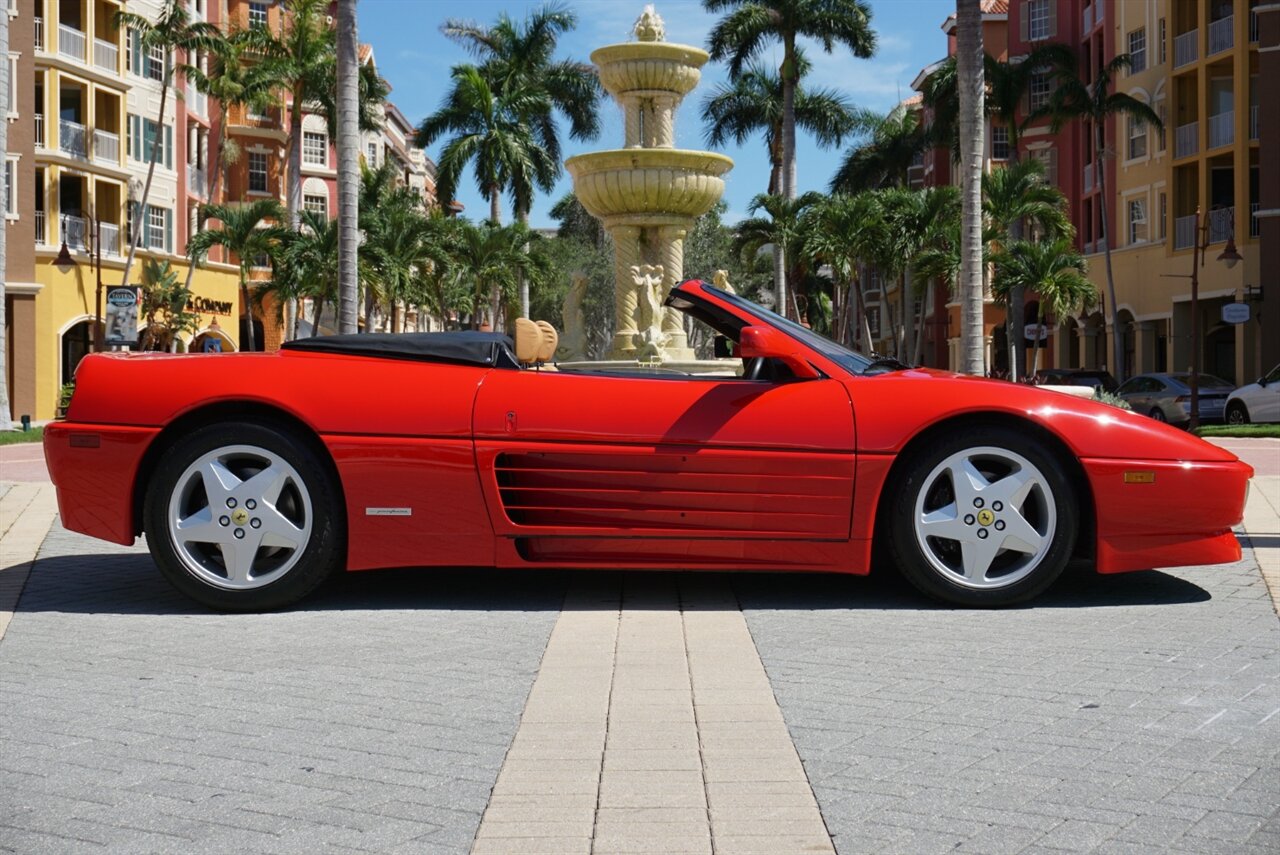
(1229, 257)
(65, 260)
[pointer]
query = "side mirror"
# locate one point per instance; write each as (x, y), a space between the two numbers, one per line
(722, 347)
(1262, 381)
(767, 342)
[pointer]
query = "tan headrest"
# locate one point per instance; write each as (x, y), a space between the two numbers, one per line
(550, 341)
(528, 340)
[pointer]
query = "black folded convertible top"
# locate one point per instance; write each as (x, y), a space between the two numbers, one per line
(467, 347)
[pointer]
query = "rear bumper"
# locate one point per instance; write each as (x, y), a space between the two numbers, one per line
(95, 469)
(1182, 517)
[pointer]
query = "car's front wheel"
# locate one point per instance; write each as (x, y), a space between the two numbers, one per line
(1237, 413)
(986, 517)
(244, 517)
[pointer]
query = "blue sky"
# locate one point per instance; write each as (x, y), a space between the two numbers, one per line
(415, 58)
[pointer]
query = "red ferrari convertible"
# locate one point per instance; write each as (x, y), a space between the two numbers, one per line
(257, 476)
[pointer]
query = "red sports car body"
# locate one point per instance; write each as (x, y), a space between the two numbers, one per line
(255, 475)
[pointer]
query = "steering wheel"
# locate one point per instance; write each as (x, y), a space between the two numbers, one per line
(755, 369)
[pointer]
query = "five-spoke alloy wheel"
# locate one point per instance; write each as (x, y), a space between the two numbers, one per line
(986, 517)
(238, 517)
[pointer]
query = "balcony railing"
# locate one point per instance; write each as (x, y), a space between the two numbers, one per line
(1184, 232)
(71, 42)
(1088, 177)
(1186, 139)
(1253, 122)
(1220, 221)
(1086, 22)
(1253, 27)
(71, 139)
(42, 236)
(1222, 35)
(1222, 129)
(106, 55)
(40, 140)
(75, 232)
(110, 239)
(1186, 48)
(39, 33)
(106, 147)
(198, 182)
(1255, 225)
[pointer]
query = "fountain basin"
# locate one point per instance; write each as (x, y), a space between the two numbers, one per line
(652, 66)
(646, 181)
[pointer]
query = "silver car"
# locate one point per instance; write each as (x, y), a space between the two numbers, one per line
(1167, 397)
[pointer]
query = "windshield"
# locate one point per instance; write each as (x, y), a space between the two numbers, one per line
(851, 361)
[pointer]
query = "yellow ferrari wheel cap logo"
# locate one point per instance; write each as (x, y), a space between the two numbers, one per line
(985, 517)
(240, 516)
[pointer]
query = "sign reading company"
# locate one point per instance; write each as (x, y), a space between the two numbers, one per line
(209, 307)
(1235, 313)
(122, 315)
(1036, 332)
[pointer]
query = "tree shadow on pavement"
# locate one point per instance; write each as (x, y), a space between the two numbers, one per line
(129, 583)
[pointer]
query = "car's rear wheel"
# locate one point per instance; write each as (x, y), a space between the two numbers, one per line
(244, 517)
(986, 517)
(1237, 413)
(1158, 414)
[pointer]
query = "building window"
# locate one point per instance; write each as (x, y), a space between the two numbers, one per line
(373, 154)
(158, 220)
(1138, 50)
(999, 143)
(1162, 112)
(155, 62)
(1038, 20)
(257, 14)
(316, 205)
(1161, 50)
(315, 149)
(1041, 87)
(1137, 138)
(11, 95)
(1048, 157)
(11, 188)
(1162, 228)
(1137, 221)
(257, 172)
(131, 60)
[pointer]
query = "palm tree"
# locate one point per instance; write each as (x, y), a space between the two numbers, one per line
(306, 264)
(884, 160)
(1019, 194)
(348, 136)
(841, 232)
(491, 258)
(247, 231)
(490, 134)
(782, 228)
(172, 31)
(233, 80)
(972, 91)
(749, 25)
(752, 103)
(1054, 269)
(400, 253)
(1095, 103)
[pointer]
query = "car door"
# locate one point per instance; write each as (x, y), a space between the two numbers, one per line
(576, 465)
(1267, 397)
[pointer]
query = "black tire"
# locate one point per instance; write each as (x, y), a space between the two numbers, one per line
(1027, 581)
(322, 554)
(1237, 413)
(1158, 414)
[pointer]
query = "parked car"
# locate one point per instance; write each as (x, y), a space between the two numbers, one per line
(1167, 397)
(1257, 402)
(1076, 377)
(256, 476)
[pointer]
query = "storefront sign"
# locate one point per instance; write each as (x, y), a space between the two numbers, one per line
(1235, 313)
(1036, 332)
(122, 315)
(210, 307)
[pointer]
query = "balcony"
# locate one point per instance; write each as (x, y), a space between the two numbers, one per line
(71, 42)
(106, 147)
(39, 32)
(198, 182)
(1186, 139)
(1086, 23)
(42, 236)
(1184, 232)
(71, 139)
(76, 233)
(1220, 223)
(1253, 122)
(106, 55)
(110, 239)
(1186, 48)
(1222, 35)
(197, 101)
(1088, 177)
(1255, 225)
(1222, 129)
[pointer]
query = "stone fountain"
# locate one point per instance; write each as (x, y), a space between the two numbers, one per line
(648, 194)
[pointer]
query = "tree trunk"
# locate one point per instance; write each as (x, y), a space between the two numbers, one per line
(348, 169)
(6, 422)
(780, 279)
(139, 219)
(862, 314)
(293, 195)
(1117, 336)
(1017, 294)
(788, 74)
(970, 80)
(523, 217)
(1035, 359)
(215, 182)
(917, 356)
(495, 205)
(248, 344)
(315, 327)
